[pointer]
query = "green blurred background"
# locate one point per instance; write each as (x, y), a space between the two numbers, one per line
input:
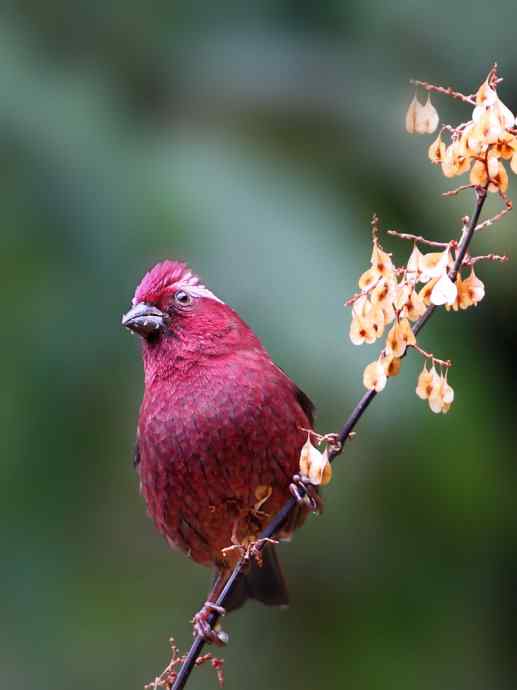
(254, 140)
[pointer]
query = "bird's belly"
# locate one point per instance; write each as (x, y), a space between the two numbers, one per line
(206, 502)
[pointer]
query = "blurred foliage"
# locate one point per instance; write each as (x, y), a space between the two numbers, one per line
(254, 140)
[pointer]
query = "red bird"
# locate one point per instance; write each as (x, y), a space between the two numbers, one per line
(219, 432)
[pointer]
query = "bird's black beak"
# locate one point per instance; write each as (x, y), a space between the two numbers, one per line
(144, 319)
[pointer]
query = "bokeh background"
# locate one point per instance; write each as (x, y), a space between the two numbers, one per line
(254, 140)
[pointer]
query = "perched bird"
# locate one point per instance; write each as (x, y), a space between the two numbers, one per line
(219, 432)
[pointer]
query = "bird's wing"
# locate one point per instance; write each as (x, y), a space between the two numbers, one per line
(136, 454)
(303, 399)
(305, 403)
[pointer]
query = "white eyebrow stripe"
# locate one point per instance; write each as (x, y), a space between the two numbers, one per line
(199, 291)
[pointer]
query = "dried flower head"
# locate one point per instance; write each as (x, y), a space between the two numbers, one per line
(389, 297)
(477, 145)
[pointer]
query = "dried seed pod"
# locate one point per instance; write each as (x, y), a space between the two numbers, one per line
(315, 465)
(444, 292)
(374, 377)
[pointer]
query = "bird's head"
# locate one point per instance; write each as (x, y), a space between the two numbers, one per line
(173, 310)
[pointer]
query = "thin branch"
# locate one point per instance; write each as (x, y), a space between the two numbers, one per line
(429, 355)
(418, 238)
(169, 673)
(471, 260)
(492, 79)
(446, 90)
(279, 519)
(455, 131)
(490, 221)
(461, 188)
(362, 293)
(398, 271)
(374, 224)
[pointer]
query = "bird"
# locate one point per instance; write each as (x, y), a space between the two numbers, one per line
(219, 434)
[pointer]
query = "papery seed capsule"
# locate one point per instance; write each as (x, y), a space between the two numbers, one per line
(426, 291)
(415, 306)
(427, 118)
(407, 332)
(376, 319)
(368, 279)
(391, 365)
(455, 306)
(448, 166)
(433, 264)
(411, 116)
(474, 288)
(447, 393)
(489, 127)
(436, 151)
(305, 455)
(314, 464)
(326, 474)
(492, 163)
(444, 292)
(499, 182)
(374, 377)
(402, 296)
(381, 262)
(485, 94)
(478, 174)
(413, 264)
(399, 337)
(505, 115)
(506, 146)
(425, 383)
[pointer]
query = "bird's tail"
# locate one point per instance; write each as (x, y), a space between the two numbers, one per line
(265, 583)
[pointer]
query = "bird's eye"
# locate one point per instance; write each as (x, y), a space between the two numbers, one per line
(183, 298)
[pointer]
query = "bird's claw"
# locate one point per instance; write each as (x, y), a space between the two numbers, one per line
(334, 443)
(254, 550)
(202, 627)
(306, 493)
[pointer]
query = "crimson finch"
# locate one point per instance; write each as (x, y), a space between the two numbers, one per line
(219, 431)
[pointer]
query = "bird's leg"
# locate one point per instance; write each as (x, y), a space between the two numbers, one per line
(306, 493)
(200, 623)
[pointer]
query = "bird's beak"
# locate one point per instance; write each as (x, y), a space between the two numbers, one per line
(144, 319)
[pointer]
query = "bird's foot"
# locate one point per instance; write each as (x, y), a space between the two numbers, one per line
(306, 493)
(334, 444)
(254, 549)
(332, 441)
(202, 627)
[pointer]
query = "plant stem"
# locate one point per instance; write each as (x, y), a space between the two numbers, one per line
(358, 411)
